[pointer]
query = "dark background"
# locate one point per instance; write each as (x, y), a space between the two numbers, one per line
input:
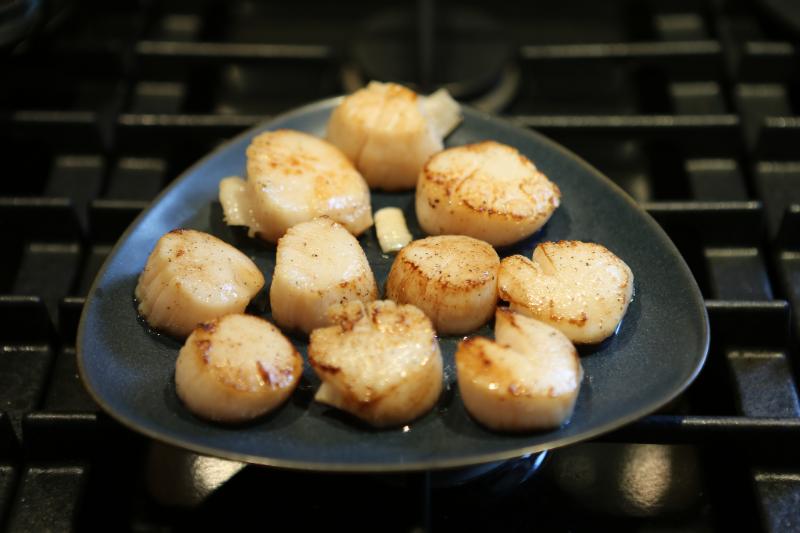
(691, 106)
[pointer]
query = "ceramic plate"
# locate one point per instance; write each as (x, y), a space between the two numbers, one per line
(658, 350)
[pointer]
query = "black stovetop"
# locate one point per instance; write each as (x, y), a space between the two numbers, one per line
(692, 106)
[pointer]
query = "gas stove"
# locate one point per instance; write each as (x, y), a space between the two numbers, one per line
(691, 106)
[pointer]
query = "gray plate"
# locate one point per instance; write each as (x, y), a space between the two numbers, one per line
(658, 350)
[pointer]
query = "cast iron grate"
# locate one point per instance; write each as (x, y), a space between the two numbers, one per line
(692, 106)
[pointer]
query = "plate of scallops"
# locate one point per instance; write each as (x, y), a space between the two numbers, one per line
(389, 282)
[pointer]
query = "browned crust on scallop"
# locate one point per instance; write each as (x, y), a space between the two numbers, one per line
(473, 359)
(489, 262)
(322, 367)
(501, 289)
(210, 326)
(441, 274)
(394, 90)
(542, 309)
(512, 318)
(444, 282)
(452, 183)
(234, 378)
(390, 323)
(171, 265)
(320, 292)
(547, 248)
(277, 378)
(346, 314)
(333, 175)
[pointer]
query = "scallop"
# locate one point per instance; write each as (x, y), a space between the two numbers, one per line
(380, 362)
(388, 132)
(580, 288)
(236, 368)
(317, 264)
(452, 278)
(527, 379)
(294, 177)
(193, 277)
(486, 190)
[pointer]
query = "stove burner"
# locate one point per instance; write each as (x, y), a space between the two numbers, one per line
(498, 478)
(178, 477)
(462, 49)
(494, 479)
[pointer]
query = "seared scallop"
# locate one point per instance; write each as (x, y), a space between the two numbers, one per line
(528, 378)
(317, 264)
(192, 277)
(380, 362)
(236, 368)
(486, 190)
(294, 177)
(580, 288)
(452, 278)
(388, 132)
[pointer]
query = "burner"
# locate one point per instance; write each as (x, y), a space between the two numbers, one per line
(215, 491)
(179, 477)
(496, 479)
(461, 49)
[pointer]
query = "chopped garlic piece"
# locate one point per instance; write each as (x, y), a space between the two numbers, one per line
(233, 197)
(442, 111)
(237, 209)
(390, 225)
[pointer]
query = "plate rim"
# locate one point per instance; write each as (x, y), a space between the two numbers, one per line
(412, 466)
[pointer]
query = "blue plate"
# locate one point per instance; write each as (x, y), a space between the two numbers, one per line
(658, 350)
